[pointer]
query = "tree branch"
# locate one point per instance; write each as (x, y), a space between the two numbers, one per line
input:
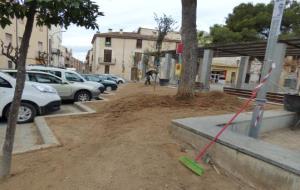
(7, 51)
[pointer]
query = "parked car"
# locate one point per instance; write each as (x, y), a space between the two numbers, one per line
(66, 75)
(108, 84)
(108, 77)
(37, 99)
(66, 90)
(118, 79)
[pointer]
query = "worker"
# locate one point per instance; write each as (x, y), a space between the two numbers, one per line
(147, 82)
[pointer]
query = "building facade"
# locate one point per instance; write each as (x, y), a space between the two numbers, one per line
(225, 69)
(88, 61)
(38, 46)
(121, 52)
(55, 46)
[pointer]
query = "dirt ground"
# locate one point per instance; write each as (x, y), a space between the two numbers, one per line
(125, 145)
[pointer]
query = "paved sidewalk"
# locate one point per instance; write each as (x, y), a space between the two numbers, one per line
(26, 136)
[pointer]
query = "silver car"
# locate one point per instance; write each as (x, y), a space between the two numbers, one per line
(66, 90)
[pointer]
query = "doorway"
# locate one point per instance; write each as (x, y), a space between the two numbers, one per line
(106, 69)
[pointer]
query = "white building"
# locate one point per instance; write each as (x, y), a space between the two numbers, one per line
(55, 47)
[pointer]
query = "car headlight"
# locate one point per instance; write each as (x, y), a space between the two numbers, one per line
(45, 89)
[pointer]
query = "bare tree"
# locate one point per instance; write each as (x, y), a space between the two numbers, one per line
(190, 56)
(165, 24)
(10, 52)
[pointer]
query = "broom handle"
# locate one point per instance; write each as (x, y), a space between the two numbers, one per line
(202, 152)
(254, 92)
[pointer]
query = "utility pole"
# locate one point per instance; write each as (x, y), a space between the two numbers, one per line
(257, 115)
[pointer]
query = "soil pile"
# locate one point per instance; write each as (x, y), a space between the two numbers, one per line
(202, 101)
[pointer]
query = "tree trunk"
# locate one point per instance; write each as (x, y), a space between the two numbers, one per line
(7, 149)
(190, 54)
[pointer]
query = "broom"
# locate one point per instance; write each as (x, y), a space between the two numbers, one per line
(193, 164)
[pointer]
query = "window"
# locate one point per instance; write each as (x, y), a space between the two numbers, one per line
(107, 55)
(40, 46)
(43, 78)
(139, 43)
(4, 83)
(108, 41)
(8, 39)
(73, 77)
(13, 74)
(10, 64)
(56, 73)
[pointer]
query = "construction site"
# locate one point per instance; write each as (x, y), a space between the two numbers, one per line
(239, 130)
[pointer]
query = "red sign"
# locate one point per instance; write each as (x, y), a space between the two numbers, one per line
(179, 48)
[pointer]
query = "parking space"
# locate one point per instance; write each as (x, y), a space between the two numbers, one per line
(27, 135)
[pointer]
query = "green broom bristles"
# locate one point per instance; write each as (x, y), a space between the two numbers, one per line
(192, 165)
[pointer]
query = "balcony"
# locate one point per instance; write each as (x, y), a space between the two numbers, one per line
(102, 61)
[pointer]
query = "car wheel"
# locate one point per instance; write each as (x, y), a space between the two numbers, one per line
(27, 112)
(82, 96)
(120, 82)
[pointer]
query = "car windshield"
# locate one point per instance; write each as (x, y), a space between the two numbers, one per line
(93, 78)
(72, 77)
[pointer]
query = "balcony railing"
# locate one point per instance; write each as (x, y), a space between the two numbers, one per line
(102, 61)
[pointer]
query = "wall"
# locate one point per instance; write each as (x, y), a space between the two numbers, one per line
(38, 34)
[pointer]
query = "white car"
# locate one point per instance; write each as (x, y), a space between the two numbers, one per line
(66, 90)
(37, 99)
(66, 75)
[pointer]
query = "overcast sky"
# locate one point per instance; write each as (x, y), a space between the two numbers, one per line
(131, 14)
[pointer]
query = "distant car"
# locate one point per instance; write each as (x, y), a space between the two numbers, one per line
(67, 91)
(118, 79)
(107, 77)
(108, 84)
(66, 75)
(37, 99)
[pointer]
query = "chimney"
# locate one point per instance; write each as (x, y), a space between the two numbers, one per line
(121, 31)
(110, 30)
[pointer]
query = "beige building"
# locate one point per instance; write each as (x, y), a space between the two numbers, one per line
(88, 61)
(37, 53)
(121, 52)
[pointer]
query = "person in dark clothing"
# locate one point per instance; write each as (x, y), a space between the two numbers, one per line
(147, 82)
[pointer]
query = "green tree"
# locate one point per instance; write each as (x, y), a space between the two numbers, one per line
(203, 38)
(46, 12)
(190, 46)
(249, 22)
